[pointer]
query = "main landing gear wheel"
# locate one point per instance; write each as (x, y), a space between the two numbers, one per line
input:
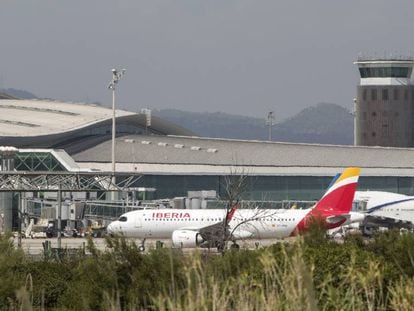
(235, 246)
(220, 247)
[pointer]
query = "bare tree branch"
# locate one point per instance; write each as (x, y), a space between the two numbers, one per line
(235, 185)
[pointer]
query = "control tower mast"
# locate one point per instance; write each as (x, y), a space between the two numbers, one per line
(385, 103)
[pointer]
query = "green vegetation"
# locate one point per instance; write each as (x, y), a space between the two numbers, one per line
(312, 273)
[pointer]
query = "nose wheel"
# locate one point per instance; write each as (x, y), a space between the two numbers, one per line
(141, 247)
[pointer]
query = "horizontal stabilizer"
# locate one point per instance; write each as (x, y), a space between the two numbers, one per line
(337, 218)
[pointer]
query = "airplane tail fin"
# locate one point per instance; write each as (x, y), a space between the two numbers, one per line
(338, 198)
(334, 206)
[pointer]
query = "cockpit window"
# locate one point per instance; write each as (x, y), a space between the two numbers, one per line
(123, 218)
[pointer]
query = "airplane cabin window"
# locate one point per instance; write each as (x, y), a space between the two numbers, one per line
(123, 219)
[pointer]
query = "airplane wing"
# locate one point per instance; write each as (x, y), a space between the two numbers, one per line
(388, 222)
(208, 232)
(215, 232)
(210, 235)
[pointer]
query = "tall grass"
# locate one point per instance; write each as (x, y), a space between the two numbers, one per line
(308, 274)
(285, 283)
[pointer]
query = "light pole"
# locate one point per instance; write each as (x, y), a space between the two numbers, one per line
(269, 122)
(116, 76)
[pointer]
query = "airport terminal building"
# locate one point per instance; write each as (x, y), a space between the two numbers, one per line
(57, 136)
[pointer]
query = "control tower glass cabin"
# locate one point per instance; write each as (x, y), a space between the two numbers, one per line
(384, 108)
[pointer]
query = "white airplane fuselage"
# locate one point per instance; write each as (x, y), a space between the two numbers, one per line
(389, 205)
(161, 223)
(189, 228)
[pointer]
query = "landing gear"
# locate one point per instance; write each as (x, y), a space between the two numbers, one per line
(141, 248)
(221, 247)
(235, 246)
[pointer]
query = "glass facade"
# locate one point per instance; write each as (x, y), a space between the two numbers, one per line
(37, 161)
(270, 188)
(267, 188)
(385, 72)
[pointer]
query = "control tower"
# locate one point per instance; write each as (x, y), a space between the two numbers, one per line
(384, 107)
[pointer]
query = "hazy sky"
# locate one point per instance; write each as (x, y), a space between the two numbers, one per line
(239, 56)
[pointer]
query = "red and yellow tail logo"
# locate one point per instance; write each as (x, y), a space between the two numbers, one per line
(337, 200)
(339, 196)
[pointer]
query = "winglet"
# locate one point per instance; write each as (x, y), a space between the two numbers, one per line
(231, 212)
(334, 180)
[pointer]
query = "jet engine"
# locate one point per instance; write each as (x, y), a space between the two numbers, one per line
(186, 238)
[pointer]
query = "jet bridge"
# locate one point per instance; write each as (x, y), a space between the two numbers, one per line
(20, 182)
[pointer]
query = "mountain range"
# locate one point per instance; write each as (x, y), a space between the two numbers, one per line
(325, 123)
(18, 93)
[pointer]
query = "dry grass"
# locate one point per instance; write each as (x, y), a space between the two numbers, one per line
(279, 278)
(286, 286)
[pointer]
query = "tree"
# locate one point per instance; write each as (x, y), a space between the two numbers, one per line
(235, 185)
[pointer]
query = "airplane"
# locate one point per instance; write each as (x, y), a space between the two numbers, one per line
(385, 209)
(207, 227)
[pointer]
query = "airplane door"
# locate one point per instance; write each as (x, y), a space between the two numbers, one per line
(138, 220)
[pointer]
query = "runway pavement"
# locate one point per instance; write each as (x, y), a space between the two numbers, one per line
(35, 246)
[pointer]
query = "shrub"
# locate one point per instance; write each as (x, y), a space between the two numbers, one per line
(306, 273)
(11, 263)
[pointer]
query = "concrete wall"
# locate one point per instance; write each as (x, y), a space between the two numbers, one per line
(385, 119)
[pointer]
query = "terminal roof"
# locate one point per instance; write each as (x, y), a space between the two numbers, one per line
(19, 117)
(192, 155)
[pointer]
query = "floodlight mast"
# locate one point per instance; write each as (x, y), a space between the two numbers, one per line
(116, 77)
